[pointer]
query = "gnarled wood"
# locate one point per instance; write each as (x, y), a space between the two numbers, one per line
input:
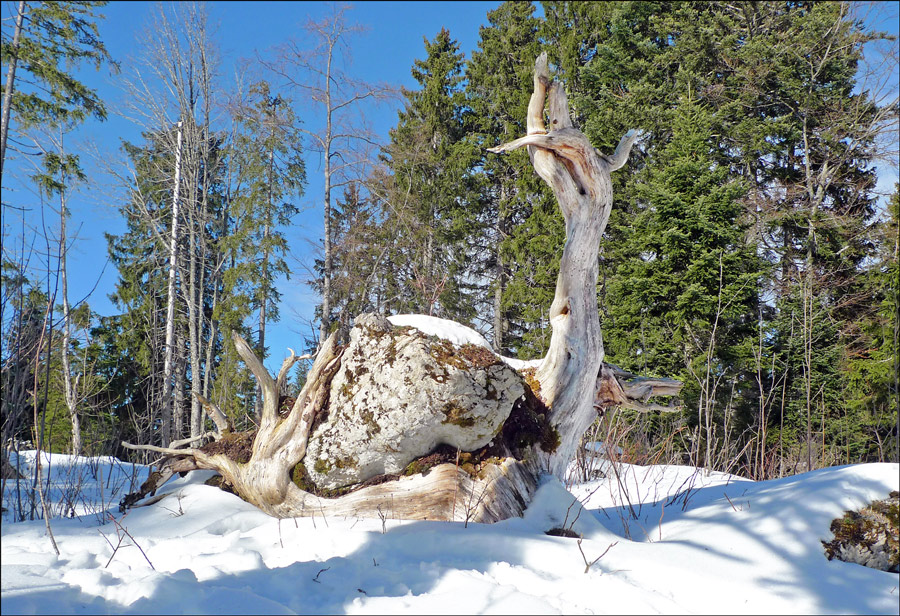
(572, 377)
(617, 387)
(580, 179)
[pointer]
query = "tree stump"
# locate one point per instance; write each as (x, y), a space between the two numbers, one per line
(541, 428)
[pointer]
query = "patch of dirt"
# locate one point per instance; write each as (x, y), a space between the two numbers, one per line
(527, 425)
(237, 446)
(563, 532)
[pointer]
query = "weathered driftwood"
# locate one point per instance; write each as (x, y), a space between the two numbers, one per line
(571, 381)
(580, 178)
(617, 387)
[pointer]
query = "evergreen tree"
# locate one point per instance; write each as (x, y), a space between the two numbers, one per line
(788, 125)
(524, 230)
(361, 249)
(683, 291)
(807, 153)
(426, 199)
(868, 429)
(270, 175)
(23, 326)
(140, 255)
(48, 38)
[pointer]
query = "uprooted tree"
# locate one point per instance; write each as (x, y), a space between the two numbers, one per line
(412, 426)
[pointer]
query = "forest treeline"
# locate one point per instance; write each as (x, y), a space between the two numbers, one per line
(748, 253)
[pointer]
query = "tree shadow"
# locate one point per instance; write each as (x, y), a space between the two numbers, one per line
(326, 566)
(757, 516)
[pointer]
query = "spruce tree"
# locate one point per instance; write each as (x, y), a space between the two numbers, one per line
(683, 291)
(427, 198)
(806, 144)
(47, 39)
(362, 253)
(267, 149)
(524, 230)
(140, 255)
(271, 176)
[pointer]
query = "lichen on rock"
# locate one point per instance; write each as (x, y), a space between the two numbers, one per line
(869, 536)
(398, 395)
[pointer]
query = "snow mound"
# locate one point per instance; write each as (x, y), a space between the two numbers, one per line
(442, 328)
(670, 540)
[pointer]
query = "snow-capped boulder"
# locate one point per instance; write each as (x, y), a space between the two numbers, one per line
(399, 394)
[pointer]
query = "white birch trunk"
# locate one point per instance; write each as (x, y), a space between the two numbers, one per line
(70, 384)
(168, 365)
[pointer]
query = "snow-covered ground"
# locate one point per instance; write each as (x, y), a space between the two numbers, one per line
(682, 542)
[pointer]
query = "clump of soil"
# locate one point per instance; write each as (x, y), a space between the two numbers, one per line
(528, 425)
(478, 356)
(237, 446)
(443, 454)
(869, 536)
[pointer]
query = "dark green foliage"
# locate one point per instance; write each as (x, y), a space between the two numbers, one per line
(135, 339)
(25, 306)
(793, 239)
(360, 279)
(684, 266)
(523, 230)
(430, 233)
(270, 175)
(868, 426)
(55, 36)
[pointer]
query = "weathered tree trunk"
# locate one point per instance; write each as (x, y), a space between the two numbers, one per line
(10, 82)
(70, 381)
(580, 179)
(168, 408)
(569, 383)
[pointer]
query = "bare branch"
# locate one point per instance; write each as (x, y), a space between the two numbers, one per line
(620, 156)
(165, 450)
(223, 424)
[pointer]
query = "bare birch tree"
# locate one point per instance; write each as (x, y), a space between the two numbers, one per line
(173, 85)
(341, 139)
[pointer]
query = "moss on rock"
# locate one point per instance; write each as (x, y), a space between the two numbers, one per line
(457, 415)
(868, 536)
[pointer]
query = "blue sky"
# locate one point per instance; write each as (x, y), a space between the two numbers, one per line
(385, 53)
